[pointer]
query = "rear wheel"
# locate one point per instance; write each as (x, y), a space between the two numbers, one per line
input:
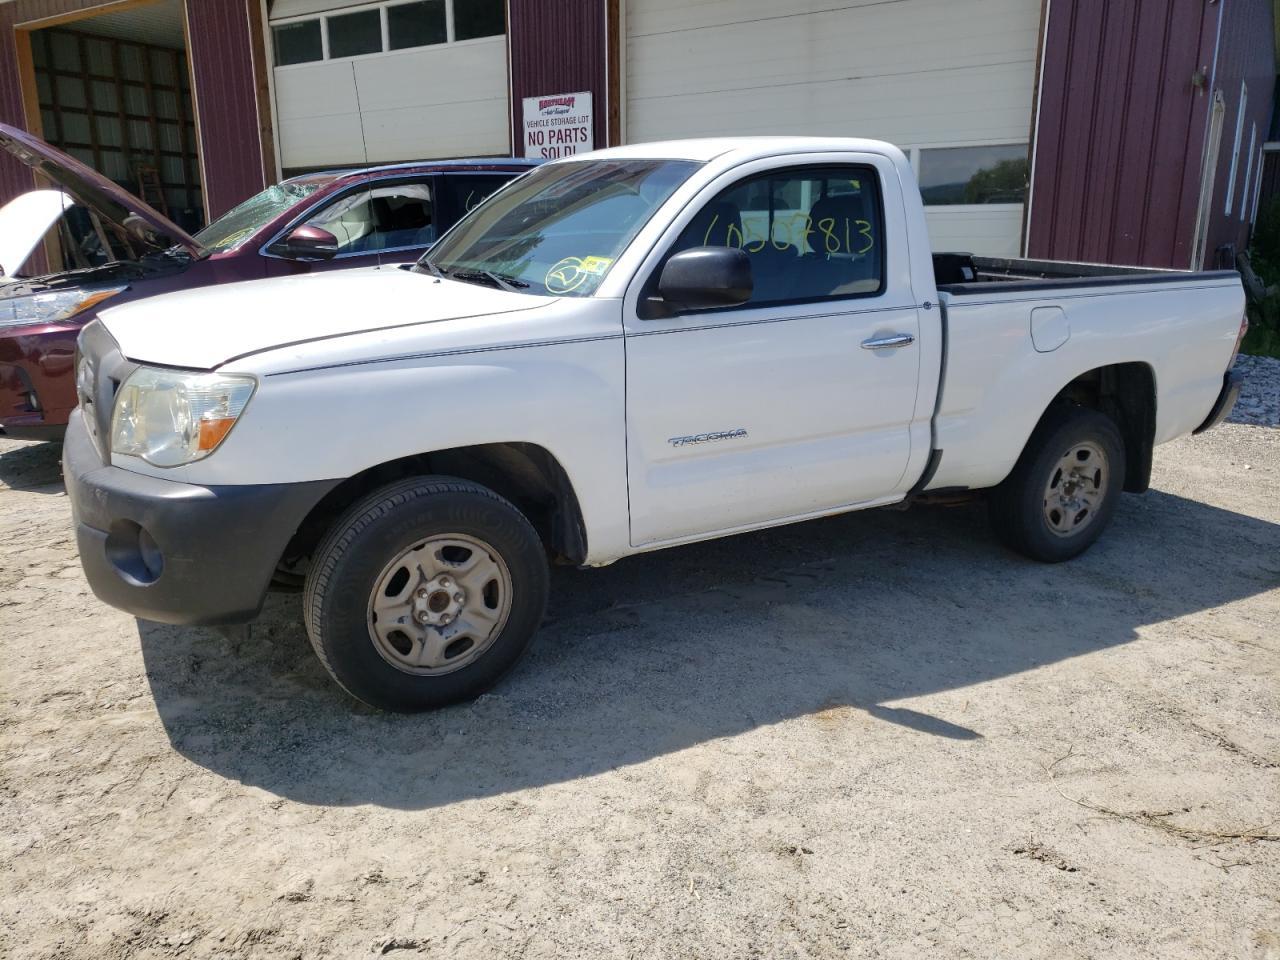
(1063, 490)
(425, 593)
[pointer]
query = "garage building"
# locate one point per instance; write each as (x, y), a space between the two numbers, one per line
(1067, 128)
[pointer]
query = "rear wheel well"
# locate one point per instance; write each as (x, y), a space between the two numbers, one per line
(524, 473)
(1125, 392)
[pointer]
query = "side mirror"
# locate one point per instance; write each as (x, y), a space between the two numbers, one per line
(706, 277)
(307, 243)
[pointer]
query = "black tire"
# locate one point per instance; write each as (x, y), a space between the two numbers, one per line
(1019, 509)
(371, 535)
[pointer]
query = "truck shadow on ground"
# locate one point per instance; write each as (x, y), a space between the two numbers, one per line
(668, 650)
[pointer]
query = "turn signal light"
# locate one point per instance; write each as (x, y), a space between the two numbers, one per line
(212, 432)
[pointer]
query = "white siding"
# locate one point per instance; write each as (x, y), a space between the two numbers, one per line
(994, 232)
(428, 103)
(918, 73)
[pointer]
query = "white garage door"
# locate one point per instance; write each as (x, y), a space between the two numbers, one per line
(389, 81)
(949, 81)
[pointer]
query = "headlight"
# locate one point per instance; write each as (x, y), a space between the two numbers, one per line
(52, 306)
(169, 418)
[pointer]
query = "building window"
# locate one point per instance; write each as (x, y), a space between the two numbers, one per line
(473, 19)
(973, 175)
(354, 34)
(386, 27)
(297, 43)
(417, 24)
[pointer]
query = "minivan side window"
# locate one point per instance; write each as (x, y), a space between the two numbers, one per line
(469, 190)
(811, 233)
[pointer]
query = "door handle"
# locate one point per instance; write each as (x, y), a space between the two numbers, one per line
(893, 340)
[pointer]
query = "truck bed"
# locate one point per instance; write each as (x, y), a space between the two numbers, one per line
(963, 274)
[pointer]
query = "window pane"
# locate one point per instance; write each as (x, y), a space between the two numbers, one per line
(810, 234)
(995, 174)
(297, 43)
(559, 228)
(470, 190)
(416, 24)
(353, 34)
(384, 218)
(479, 18)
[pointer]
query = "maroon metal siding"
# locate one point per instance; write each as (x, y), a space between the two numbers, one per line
(221, 49)
(1270, 179)
(226, 92)
(14, 177)
(1246, 54)
(557, 46)
(1120, 130)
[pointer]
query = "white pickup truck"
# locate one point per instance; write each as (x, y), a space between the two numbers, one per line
(627, 350)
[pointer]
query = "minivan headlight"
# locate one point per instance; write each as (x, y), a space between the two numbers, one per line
(168, 417)
(52, 306)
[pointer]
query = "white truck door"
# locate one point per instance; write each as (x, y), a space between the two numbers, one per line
(799, 401)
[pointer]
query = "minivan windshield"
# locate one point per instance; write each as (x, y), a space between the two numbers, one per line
(557, 230)
(244, 220)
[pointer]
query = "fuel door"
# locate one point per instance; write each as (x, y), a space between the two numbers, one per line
(1050, 328)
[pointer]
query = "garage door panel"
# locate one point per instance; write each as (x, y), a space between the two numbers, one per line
(970, 104)
(826, 47)
(446, 75)
(321, 141)
(433, 102)
(918, 73)
(437, 130)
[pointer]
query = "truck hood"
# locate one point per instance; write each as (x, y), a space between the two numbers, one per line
(92, 189)
(23, 221)
(205, 327)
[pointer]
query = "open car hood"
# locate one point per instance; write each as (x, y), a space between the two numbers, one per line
(24, 220)
(93, 190)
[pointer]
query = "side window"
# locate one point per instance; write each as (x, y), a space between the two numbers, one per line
(811, 233)
(469, 190)
(384, 218)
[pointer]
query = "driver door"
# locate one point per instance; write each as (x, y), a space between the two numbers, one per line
(781, 407)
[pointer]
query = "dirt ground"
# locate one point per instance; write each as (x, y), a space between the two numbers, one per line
(878, 735)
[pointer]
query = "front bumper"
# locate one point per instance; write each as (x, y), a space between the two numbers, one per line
(1227, 397)
(178, 552)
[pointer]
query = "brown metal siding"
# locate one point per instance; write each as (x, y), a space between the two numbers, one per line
(1121, 131)
(1270, 179)
(226, 92)
(1245, 54)
(557, 46)
(15, 178)
(236, 163)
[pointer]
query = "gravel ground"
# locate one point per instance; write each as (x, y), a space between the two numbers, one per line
(875, 735)
(1259, 401)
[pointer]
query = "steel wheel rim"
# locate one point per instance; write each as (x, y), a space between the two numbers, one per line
(439, 605)
(1076, 488)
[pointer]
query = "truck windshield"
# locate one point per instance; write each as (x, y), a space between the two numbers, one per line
(558, 230)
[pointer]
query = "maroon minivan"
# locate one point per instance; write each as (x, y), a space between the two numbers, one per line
(117, 249)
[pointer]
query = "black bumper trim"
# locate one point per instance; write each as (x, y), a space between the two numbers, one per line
(1227, 396)
(220, 545)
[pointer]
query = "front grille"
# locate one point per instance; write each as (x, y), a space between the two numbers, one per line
(100, 369)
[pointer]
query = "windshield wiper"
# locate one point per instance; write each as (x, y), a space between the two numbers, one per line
(434, 270)
(510, 284)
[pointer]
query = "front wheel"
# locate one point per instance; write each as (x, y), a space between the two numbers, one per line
(425, 593)
(1063, 490)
